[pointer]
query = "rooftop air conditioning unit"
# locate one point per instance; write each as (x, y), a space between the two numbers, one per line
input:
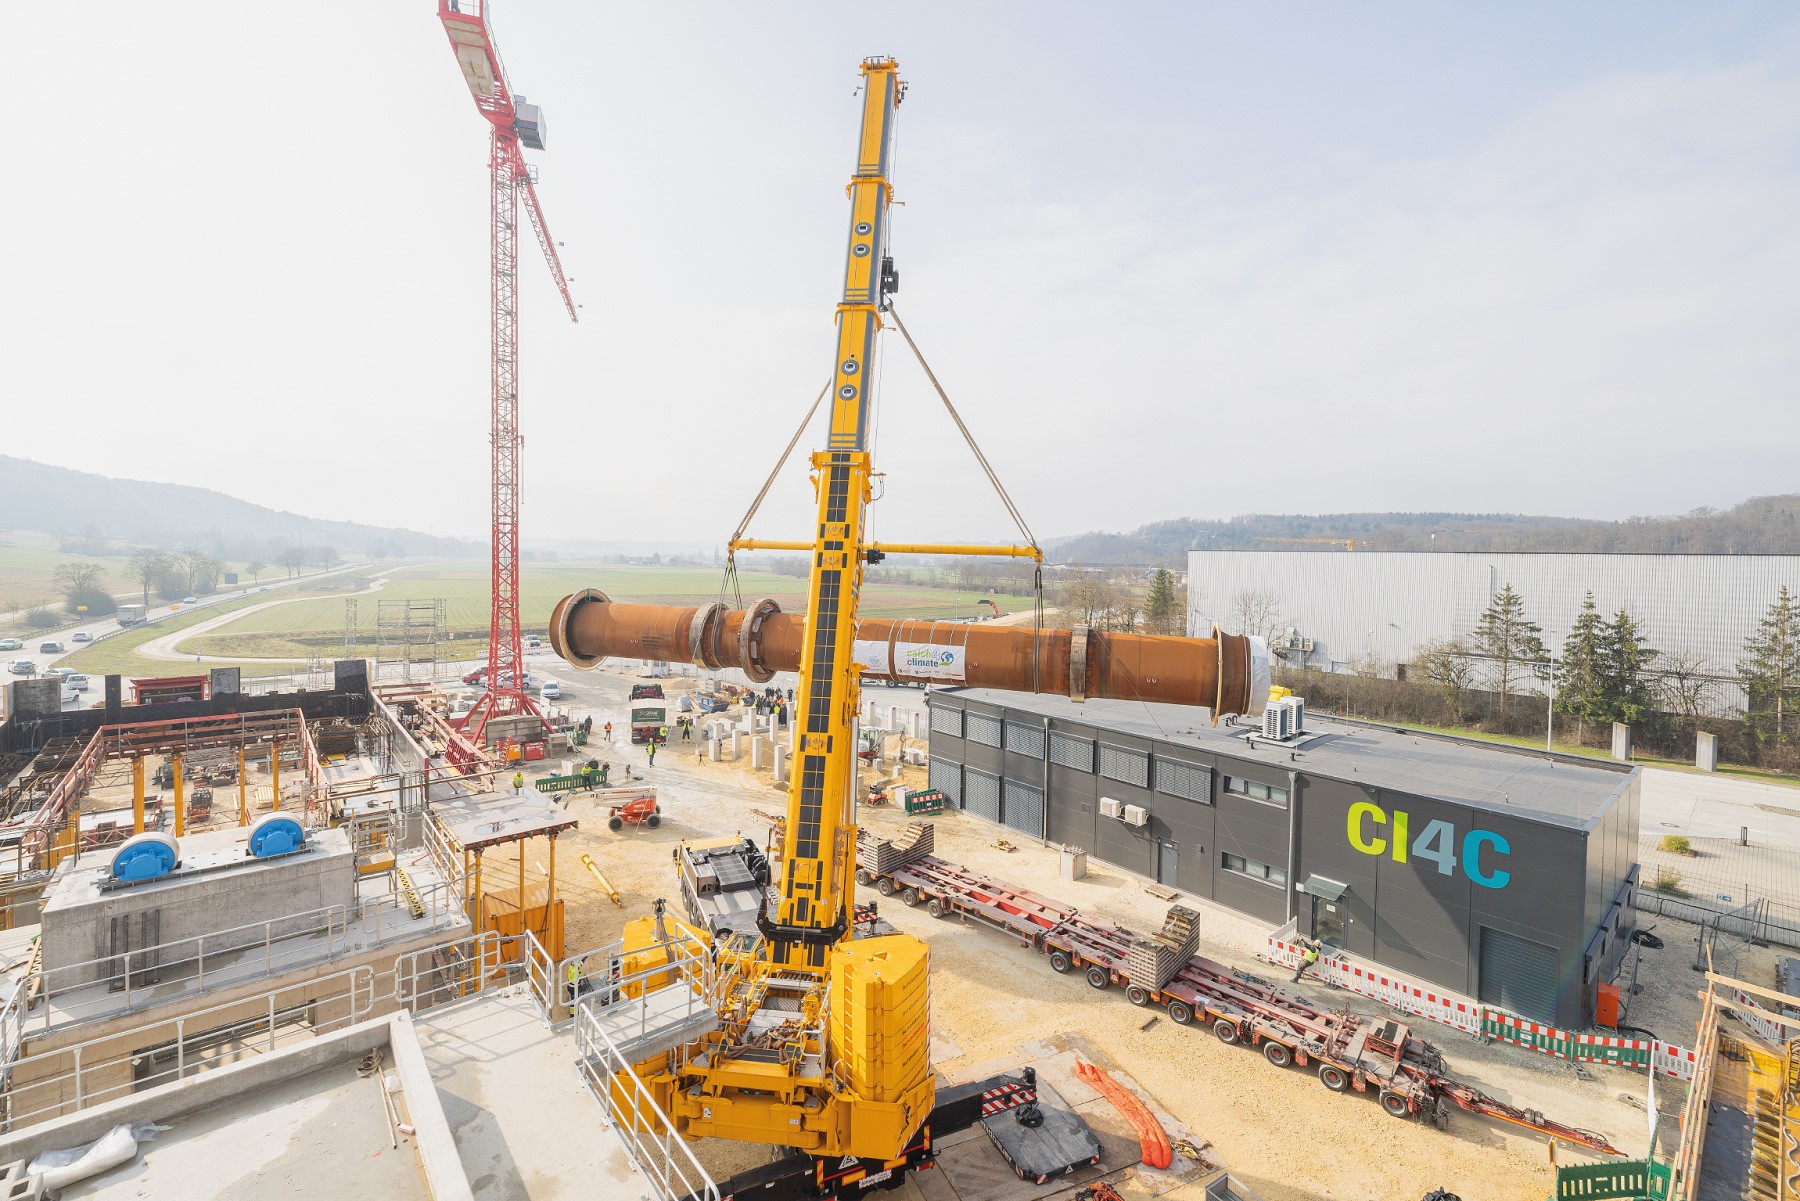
(1284, 720)
(1134, 815)
(1109, 807)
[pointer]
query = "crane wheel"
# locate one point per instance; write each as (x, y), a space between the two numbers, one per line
(1136, 994)
(1333, 1077)
(935, 907)
(654, 820)
(1227, 1031)
(912, 896)
(1097, 977)
(1180, 1012)
(885, 886)
(617, 823)
(1279, 1054)
(1059, 962)
(1395, 1104)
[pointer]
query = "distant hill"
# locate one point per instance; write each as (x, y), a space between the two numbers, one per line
(1761, 525)
(36, 496)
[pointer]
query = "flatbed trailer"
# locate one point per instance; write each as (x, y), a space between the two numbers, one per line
(1349, 1052)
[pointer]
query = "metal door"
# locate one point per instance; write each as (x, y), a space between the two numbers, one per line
(1024, 809)
(1166, 861)
(1328, 922)
(1518, 975)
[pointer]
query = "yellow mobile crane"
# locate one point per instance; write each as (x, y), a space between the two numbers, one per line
(811, 1039)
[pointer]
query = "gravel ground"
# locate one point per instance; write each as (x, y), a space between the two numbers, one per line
(1279, 1132)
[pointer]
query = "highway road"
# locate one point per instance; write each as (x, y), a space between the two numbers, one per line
(99, 629)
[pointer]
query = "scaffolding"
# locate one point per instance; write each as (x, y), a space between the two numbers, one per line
(409, 639)
(349, 627)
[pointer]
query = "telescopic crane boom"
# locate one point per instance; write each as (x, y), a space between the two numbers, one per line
(821, 1038)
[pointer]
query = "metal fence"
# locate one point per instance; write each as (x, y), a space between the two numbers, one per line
(1763, 921)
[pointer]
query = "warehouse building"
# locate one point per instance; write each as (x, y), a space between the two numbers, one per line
(1372, 611)
(1498, 873)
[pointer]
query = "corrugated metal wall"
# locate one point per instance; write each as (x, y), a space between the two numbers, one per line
(1382, 605)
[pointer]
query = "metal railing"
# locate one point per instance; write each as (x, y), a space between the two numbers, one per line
(456, 970)
(111, 1065)
(645, 1132)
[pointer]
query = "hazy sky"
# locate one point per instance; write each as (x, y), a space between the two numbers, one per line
(1169, 260)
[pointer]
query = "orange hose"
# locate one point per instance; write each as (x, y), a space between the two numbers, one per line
(1153, 1140)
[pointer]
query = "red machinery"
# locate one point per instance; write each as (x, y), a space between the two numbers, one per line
(512, 124)
(637, 809)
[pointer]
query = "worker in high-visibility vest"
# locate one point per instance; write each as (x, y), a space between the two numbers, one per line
(518, 783)
(574, 983)
(1309, 955)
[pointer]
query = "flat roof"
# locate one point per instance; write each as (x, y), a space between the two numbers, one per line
(1559, 790)
(494, 818)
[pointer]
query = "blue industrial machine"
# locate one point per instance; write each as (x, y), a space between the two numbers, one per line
(275, 834)
(146, 856)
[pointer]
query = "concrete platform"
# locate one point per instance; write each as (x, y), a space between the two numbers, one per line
(1058, 1145)
(525, 1127)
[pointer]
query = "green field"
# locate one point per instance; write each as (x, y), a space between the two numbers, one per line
(28, 563)
(292, 632)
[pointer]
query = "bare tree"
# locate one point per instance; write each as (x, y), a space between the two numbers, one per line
(1257, 611)
(1684, 682)
(1448, 665)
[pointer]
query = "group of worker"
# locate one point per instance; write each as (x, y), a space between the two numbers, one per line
(772, 701)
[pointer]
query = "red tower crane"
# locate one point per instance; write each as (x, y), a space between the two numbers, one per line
(513, 124)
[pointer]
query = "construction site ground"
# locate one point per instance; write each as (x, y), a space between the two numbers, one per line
(1279, 1133)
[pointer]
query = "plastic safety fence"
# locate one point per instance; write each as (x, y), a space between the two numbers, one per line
(1475, 1018)
(1636, 1179)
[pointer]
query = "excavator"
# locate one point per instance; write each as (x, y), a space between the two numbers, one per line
(817, 1039)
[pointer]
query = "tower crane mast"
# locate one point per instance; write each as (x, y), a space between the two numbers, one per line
(513, 125)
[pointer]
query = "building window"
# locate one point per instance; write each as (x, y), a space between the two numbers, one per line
(1256, 790)
(1077, 753)
(1026, 740)
(1256, 871)
(946, 721)
(983, 729)
(1184, 780)
(1125, 766)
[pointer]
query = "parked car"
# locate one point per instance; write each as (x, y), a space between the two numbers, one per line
(11, 644)
(22, 667)
(70, 693)
(52, 647)
(552, 690)
(59, 671)
(533, 642)
(77, 681)
(81, 636)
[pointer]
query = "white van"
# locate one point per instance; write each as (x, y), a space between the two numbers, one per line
(552, 690)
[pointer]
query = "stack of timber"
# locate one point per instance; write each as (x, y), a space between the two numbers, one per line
(1164, 953)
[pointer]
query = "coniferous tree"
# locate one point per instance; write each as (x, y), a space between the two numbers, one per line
(1507, 639)
(1770, 670)
(1629, 687)
(1580, 681)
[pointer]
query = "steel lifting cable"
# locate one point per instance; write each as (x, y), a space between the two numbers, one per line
(731, 574)
(999, 489)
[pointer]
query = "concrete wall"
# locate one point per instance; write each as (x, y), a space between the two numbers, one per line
(1425, 916)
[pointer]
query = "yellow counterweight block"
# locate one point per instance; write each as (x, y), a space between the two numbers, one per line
(879, 1035)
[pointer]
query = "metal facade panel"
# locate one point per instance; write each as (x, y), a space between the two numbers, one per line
(1025, 739)
(1072, 751)
(1024, 808)
(1124, 765)
(946, 720)
(979, 727)
(1518, 975)
(1184, 780)
(946, 777)
(1382, 605)
(981, 794)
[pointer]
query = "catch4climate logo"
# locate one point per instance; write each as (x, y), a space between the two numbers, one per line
(1374, 831)
(923, 657)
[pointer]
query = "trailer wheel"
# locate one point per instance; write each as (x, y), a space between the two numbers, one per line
(655, 820)
(1227, 1031)
(1180, 1012)
(1059, 961)
(616, 823)
(1097, 977)
(1278, 1054)
(1136, 995)
(1333, 1077)
(935, 907)
(911, 896)
(1395, 1104)
(885, 886)
(863, 876)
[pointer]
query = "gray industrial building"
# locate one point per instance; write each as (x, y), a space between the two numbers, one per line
(1501, 874)
(1370, 611)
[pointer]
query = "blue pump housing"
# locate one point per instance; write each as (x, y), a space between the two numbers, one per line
(147, 856)
(275, 834)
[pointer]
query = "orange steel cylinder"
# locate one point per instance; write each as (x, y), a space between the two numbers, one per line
(1226, 673)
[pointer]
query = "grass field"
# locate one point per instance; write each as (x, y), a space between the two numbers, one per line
(28, 563)
(293, 632)
(117, 654)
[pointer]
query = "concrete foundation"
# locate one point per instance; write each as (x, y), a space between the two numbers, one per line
(217, 886)
(781, 764)
(1706, 752)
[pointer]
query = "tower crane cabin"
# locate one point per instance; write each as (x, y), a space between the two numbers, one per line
(820, 1043)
